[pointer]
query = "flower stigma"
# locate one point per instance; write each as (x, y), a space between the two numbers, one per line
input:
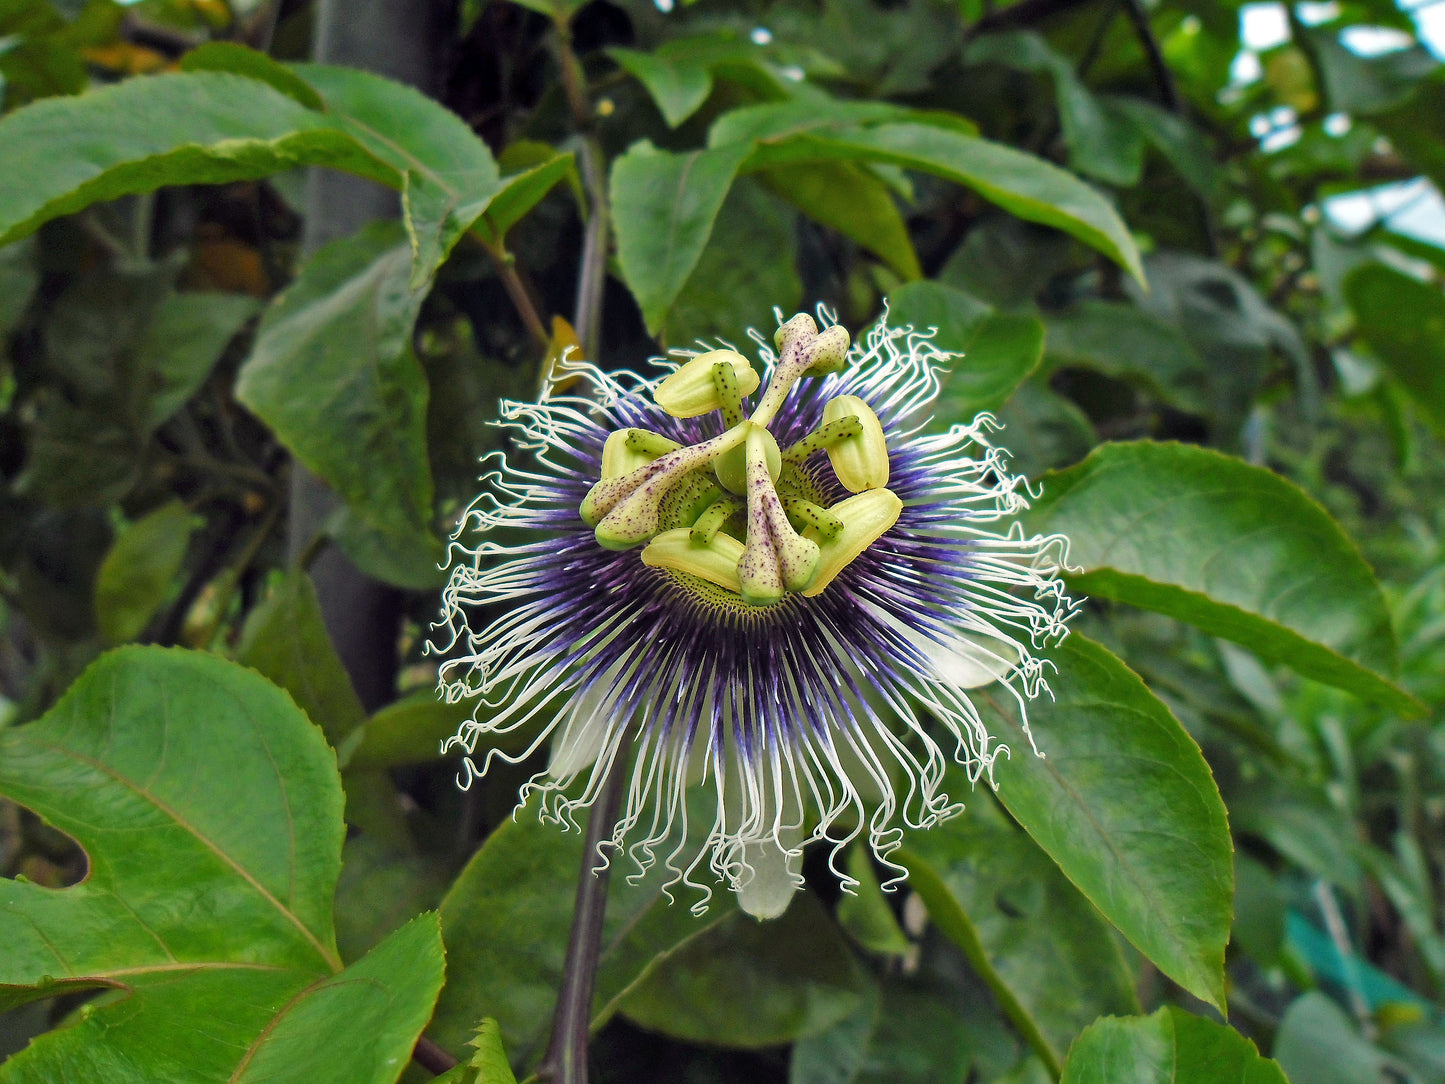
(768, 593)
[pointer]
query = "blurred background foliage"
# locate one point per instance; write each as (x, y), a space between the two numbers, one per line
(175, 351)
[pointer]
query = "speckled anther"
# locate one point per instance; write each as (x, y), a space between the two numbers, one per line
(734, 517)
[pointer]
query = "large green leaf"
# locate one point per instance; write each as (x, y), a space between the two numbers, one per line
(210, 812)
(522, 881)
(1403, 320)
(1232, 548)
(1020, 183)
(448, 176)
(1041, 947)
(997, 350)
(188, 128)
(853, 201)
(1170, 1047)
(1123, 801)
(798, 974)
(333, 373)
(663, 207)
(724, 295)
(249, 120)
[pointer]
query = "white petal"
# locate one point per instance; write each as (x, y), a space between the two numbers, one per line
(774, 878)
(971, 660)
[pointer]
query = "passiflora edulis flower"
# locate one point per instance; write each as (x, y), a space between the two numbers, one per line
(782, 598)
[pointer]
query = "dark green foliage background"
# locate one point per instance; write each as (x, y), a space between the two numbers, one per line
(221, 862)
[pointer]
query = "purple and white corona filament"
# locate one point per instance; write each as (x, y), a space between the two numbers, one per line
(785, 606)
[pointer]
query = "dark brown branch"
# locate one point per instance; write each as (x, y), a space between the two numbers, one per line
(566, 1059)
(592, 268)
(1163, 77)
(432, 1057)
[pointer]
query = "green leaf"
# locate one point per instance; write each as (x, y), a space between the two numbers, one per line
(1319, 1043)
(853, 201)
(1101, 142)
(491, 1056)
(1020, 183)
(229, 125)
(182, 343)
(799, 976)
(139, 572)
(522, 881)
(225, 56)
(1039, 945)
(726, 295)
(663, 207)
(1181, 142)
(1126, 343)
(447, 174)
(1231, 548)
(285, 639)
(1123, 801)
(997, 350)
(1417, 128)
(64, 154)
(864, 913)
(520, 192)
(381, 888)
(904, 1033)
(210, 813)
(1403, 320)
(679, 85)
(1169, 1047)
(333, 373)
(407, 731)
(1364, 85)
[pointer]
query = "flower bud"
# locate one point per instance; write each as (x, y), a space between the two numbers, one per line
(691, 390)
(859, 461)
(715, 561)
(866, 518)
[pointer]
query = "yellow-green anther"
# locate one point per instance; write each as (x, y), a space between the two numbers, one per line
(628, 449)
(692, 390)
(861, 461)
(715, 560)
(725, 378)
(801, 510)
(711, 521)
(866, 518)
(825, 436)
(829, 351)
(645, 442)
(731, 467)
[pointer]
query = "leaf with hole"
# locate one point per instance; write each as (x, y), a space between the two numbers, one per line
(210, 812)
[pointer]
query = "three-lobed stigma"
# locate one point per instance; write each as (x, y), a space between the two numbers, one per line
(736, 510)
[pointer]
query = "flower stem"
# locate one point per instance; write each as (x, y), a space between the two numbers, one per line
(566, 1059)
